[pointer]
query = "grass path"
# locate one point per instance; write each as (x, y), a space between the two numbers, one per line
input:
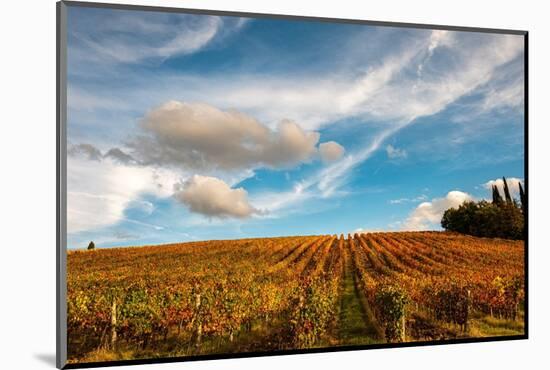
(355, 327)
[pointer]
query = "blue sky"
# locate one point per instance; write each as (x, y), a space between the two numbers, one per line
(191, 127)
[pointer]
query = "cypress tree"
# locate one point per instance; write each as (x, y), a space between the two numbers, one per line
(497, 198)
(507, 195)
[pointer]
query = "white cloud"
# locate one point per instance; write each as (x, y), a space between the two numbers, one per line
(132, 37)
(395, 153)
(322, 184)
(332, 177)
(331, 151)
(408, 200)
(513, 185)
(200, 136)
(419, 97)
(473, 66)
(385, 90)
(428, 214)
(99, 192)
(438, 38)
(212, 197)
(511, 95)
(276, 200)
(388, 90)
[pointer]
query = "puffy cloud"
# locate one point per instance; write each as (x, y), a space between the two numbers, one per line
(428, 214)
(513, 185)
(394, 153)
(331, 151)
(200, 136)
(212, 197)
(86, 151)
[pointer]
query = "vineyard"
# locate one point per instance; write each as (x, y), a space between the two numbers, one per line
(285, 293)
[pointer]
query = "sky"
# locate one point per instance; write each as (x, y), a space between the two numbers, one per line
(193, 127)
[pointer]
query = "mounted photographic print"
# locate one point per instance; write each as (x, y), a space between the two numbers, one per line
(235, 184)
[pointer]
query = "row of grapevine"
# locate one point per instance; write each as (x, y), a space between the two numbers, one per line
(439, 275)
(286, 290)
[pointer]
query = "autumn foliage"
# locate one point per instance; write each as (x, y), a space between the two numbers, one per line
(284, 293)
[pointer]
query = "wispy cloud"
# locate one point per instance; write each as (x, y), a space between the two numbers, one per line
(121, 36)
(510, 95)
(419, 198)
(389, 90)
(325, 183)
(275, 201)
(98, 198)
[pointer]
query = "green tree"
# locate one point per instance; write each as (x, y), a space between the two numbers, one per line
(461, 220)
(91, 246)
(485, 219)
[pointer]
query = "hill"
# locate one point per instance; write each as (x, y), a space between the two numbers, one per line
(291, 292)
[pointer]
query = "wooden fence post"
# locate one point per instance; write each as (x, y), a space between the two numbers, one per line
(113, 325)
(198, 329)
(468, 304)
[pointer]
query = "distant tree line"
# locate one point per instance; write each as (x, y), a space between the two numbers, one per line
(501, 218)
